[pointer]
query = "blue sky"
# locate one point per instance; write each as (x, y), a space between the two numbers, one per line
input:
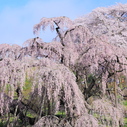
(17, 17)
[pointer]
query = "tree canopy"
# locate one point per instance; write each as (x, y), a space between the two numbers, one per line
(75, 80)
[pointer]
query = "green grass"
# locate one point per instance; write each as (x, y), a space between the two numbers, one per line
(125, 122)
(60, 114)
(27, 88)
(31, 115)
(125, 102)
(96, 115)
(2, 123)
(125, 119)
(8, 87)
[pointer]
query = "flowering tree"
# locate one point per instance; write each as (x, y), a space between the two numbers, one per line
(109, 21)
(67, 82)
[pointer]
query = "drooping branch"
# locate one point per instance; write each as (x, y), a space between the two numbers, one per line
(59, 22)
